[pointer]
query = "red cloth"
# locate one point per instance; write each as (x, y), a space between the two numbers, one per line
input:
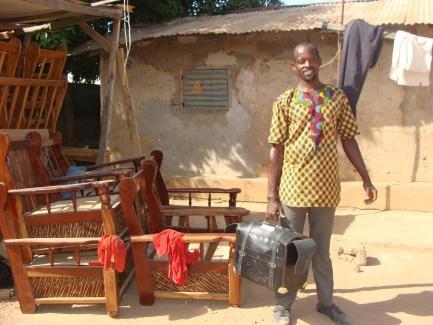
(170, 242)
(111, 251)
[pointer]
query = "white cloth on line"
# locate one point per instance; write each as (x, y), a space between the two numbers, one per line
(411, 59)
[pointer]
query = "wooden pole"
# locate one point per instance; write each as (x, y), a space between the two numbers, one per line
(131, 116)
(102, 42)
(107, 94)
(339, 36)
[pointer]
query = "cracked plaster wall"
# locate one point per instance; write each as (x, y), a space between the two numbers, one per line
(395, 122)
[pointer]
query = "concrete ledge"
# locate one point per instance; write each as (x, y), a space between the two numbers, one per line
(416, 196)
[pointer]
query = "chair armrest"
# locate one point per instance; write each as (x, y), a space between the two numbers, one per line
(95, 175)
(59, 188)
(179, 210)
(192, 238)
(117, 162)
(52, 241)
(203, 190)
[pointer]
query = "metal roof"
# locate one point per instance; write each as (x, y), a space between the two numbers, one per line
(292, 18)
(21, 14)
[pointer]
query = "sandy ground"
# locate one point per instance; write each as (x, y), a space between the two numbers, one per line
(396, 287)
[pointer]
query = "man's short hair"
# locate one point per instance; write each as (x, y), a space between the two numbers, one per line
(306, 44)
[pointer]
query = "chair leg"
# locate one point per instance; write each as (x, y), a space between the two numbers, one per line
(234, 285)
(21, 281)
(210, 251)
(111, 290)
(211, 224)
(143, 276)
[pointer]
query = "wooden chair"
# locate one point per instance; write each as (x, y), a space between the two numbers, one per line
(164, 195)
(36, 216)
(56, 270)
(210, 278)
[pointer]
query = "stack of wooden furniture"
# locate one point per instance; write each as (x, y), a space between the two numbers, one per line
(31, 93)
(51, 240)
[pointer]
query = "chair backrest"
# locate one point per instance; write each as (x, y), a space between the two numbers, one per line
(17, 168)
(160, 186)
(21, 169)
(43, 64)
(9, 57)
(140, 204)
(31, 103)
(49, 154)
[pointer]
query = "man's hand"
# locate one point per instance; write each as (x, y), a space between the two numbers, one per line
(370, 193)
(275, 209)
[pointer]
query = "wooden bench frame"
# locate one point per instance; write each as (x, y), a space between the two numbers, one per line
(18, 218)
(140, 202)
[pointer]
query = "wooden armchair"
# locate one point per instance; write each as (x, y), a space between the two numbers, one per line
(49, 270)
(164, 195)
(37, 215)
(210, 278)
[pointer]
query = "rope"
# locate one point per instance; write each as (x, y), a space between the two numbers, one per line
(334, 58)
(127, 35)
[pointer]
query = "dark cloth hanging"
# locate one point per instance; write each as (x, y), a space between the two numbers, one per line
(361, 47)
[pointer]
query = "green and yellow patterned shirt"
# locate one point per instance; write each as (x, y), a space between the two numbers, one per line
(310, 169)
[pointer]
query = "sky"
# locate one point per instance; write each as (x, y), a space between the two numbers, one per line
(303, 2)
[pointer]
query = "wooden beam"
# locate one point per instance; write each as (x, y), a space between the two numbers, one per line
(40, 18)
(191, 238)
(102, 42)
(191, 295)
(102, 2)
(77, 8)
(61, 23)
(70, 300)
(32, 29)
(107, 94)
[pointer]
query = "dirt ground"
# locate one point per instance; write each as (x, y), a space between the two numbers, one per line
(396, 286)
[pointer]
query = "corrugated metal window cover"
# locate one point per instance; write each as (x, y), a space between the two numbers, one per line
(205, 89)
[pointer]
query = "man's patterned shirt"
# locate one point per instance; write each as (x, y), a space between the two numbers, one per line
(310, 173)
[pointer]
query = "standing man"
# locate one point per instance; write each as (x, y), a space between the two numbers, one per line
(303, 170)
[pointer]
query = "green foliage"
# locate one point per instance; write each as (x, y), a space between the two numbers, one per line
(162, 10)
(86, 69)
(53, 39)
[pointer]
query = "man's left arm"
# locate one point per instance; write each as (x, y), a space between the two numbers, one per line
(351, 149)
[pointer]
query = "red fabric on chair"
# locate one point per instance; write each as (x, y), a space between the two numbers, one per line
(170, 242)
(111, 251)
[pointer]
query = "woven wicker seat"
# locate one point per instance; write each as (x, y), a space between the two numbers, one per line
(82, 204)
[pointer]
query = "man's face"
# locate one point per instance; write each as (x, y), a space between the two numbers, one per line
(306, 63)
